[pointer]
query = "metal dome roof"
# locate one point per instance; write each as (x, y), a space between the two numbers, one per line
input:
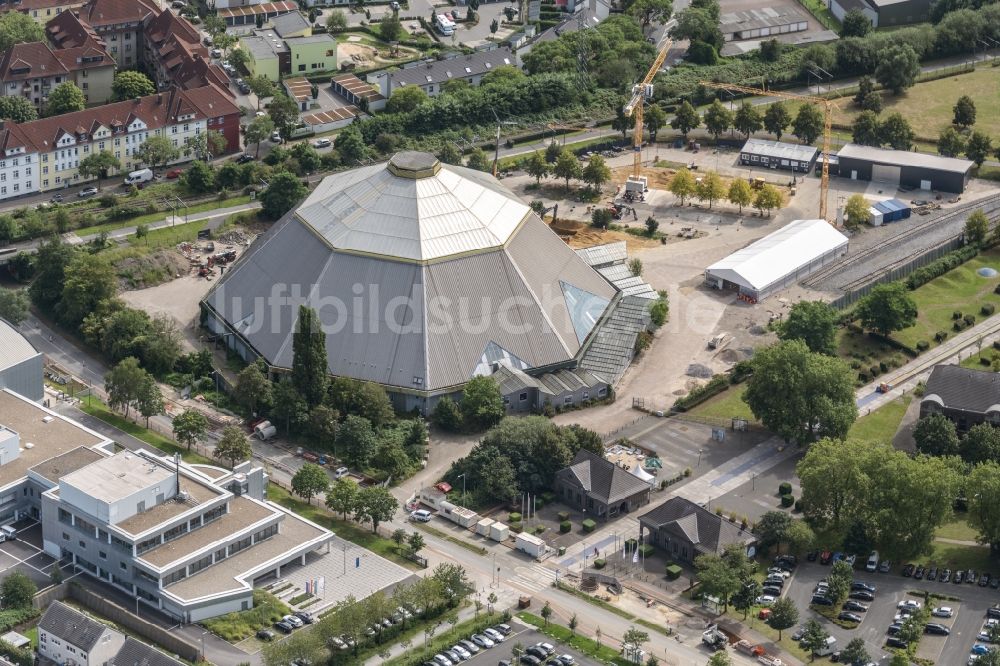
(412, 208)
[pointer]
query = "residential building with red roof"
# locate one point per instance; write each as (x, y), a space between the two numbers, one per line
(120, 24)
(40, 10)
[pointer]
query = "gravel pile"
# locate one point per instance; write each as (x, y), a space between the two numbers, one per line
(700, 371)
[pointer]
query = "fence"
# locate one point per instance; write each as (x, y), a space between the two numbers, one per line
(898, 272)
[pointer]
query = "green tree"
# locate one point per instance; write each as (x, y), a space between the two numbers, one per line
(717, 119)
(980, 444)
(415, 542)
(65, 98)
(285, 113)
(855, 24)
(652, 225)
(449, 154)
(776, 119)
(89, 280)
(157, 151)
(964, 112)
(771, 529)
(720, 659)
(481, 405)
(322, 426)
(18, 590)
(239, 58)
(647, 11)
(814, 323)
(537, 167)
(895, 130)
(635, 266)
(767, 199)
(935, 435)
(897, 68)
(97, 165)
(552, 152)
(14, 305)
(391, 459)
(130, 83)
(866, 130)
(406, 99)
(123, 384)
(840, 580)
(446, 415)
(567, 167)
(685, 119)
(309, 481)
(199, 178)
(784, 615)
(683, 185)
(814, 638)
(233, 446)
(855, 651)
(18, 109)
(342, 496)
(857, 211)
(808, 123)
(282, 193)
(717, 578)
(799, 394)
(746, 597)
(253, 388)
(653, 115)
(740, 193)
(748, 119)
(978, 147)
(214, 25)
(375, 504)
(336, 21)
(478, 160)
(710, 188)
(887, 308)
(633, 640)
(190, 426)
(356, 441)
(288, 405)
(262, 87)
(951, 143)
(800, 537)
(596, 173)
(18, 28)
(350, 396)
(982, 487)
(390, 29)
(309, 364)
(258, 130)
(149, 402)
(977, 226)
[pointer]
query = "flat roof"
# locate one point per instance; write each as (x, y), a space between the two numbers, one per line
(907, 158)
(49, 433)
(224, 576)
(331, 115)
(298, 88)
(760, 18)
(356, 86)
(120, 476)
(311, 39)
(780, 150)
(779, 254)
(55, 468)
(268, 45)
(264, 8)
(242, 513)
(199, 493)
(14, 347)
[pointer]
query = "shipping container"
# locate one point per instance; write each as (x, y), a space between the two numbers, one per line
(499, 531)
(530, 544)
(483, 526)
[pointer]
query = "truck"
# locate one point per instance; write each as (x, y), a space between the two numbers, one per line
(444, 24)
(714, 639)
(746, 647)
(8, 533)
(139, 177)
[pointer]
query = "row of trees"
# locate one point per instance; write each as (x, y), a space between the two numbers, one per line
(566, 165)
(371, 504)
(807, 124)
(480, 407)
(710, 188)
(430, 598)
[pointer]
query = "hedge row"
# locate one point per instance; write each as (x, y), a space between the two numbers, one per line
(941, 266)
(715, 386)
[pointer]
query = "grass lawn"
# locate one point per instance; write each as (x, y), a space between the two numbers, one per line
(764, 628)
(353, 533)
(726, 405)
(974, 363)
(959, 289)
(99, 410)
(234, 627)
(954, 556)
(162, 215)
(957, 529)
(819, 9)
(882, 424)
(862, 349)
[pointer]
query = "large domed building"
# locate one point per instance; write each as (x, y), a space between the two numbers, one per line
(424, 275)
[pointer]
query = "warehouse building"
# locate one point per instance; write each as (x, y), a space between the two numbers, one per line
(904, 168)
(884, 13)
(777, 155)
(423, 275)
(778, 260)
(21, 365)
(763, 23)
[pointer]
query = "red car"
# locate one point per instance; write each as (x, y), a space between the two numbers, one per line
(174, 173)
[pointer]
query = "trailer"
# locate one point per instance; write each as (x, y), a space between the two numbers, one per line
(483, 527)
(746, 647)
(530, 544)
(459, 515)
(499, 531)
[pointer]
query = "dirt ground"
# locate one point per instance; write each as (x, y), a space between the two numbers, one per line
(577, 235)
(365, 55)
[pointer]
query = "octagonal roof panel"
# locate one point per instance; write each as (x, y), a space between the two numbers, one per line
(412, 208)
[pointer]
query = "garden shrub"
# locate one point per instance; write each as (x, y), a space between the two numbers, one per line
(923, 345)
(715, 386)
(540, 529)
(787, 500)
(988, 309)
(941, 266)
(956, 315)
(565, 526)
(798, 504)
(969, 319)
(588, 525)
(514, 517)
(674, 572)
(941, 336)
(646, 550)
(784, 488)
(563, 516)
(874, 371)
(515, 527)
(599, 563)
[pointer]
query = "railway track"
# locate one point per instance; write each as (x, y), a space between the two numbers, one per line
(990, 206)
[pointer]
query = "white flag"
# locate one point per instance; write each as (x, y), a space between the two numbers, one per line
(635, 555)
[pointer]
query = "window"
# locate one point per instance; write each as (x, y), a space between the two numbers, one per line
(568, 400)
(83, 544)
(215, 513)
(302, 68)
(102, 555)
(239, 545)
(198, 565)
(65, 536)
(123, 566)
(522, 397)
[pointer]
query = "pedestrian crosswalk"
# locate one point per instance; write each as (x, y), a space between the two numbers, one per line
(534, 577)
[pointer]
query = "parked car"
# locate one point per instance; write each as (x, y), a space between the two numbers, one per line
(825, 556)
(174, 173)
(244, 158)
(984, 580)
(778, 572)
(482, 641)
(943, 611)
(959, 577)
(216, 53)
(895, 642)
(536, 652)
(766, 599)
(919, 573)
(931, 573)
(462, 652)
(336, 643)
(861, 585)
(503, 629)
(305, 616)
(469, 645)
(421, 516)
(849, 617)
(293, 620)
(872, 564)
(819, 600)
(812, 555)
(495, 635)
(566, 660)
(276, 136)
(911, 604)
(980, 649)
(894, 628)
(322, 143)
(266, 635)
(936, 629)
(862, 595)
(971, 576)
(530, 660)
(799, 633)
(442, 660)
(284, 627)
(851, 559)
(856, 606)
(945, 576)
(87, 192)
(908, 570)
(884, 566)
(453, 656)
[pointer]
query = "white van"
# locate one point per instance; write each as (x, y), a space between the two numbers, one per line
(138, 177)
(8, 533)
(828, 647)
(872, 564)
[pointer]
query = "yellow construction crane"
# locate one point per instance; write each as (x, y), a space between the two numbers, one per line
(640, 92)
(828, 107)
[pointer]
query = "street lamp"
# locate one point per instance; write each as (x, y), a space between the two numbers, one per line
(462, 476)
(700, 451)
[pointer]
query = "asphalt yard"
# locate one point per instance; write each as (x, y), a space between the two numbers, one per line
(25, 554)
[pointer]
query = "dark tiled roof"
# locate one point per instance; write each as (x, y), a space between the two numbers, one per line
(29, 61)
(707, 532)
(964, 388)
(602, 479)
(439, 71)
(137, 653)
(72, 626)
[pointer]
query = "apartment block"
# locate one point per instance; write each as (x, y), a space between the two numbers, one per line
(67, 636)
(40, 10)
(120, 24)
(33, 70)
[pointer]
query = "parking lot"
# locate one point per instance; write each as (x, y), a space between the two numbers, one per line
(25, 554)
(892, 588)
(526, 636)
